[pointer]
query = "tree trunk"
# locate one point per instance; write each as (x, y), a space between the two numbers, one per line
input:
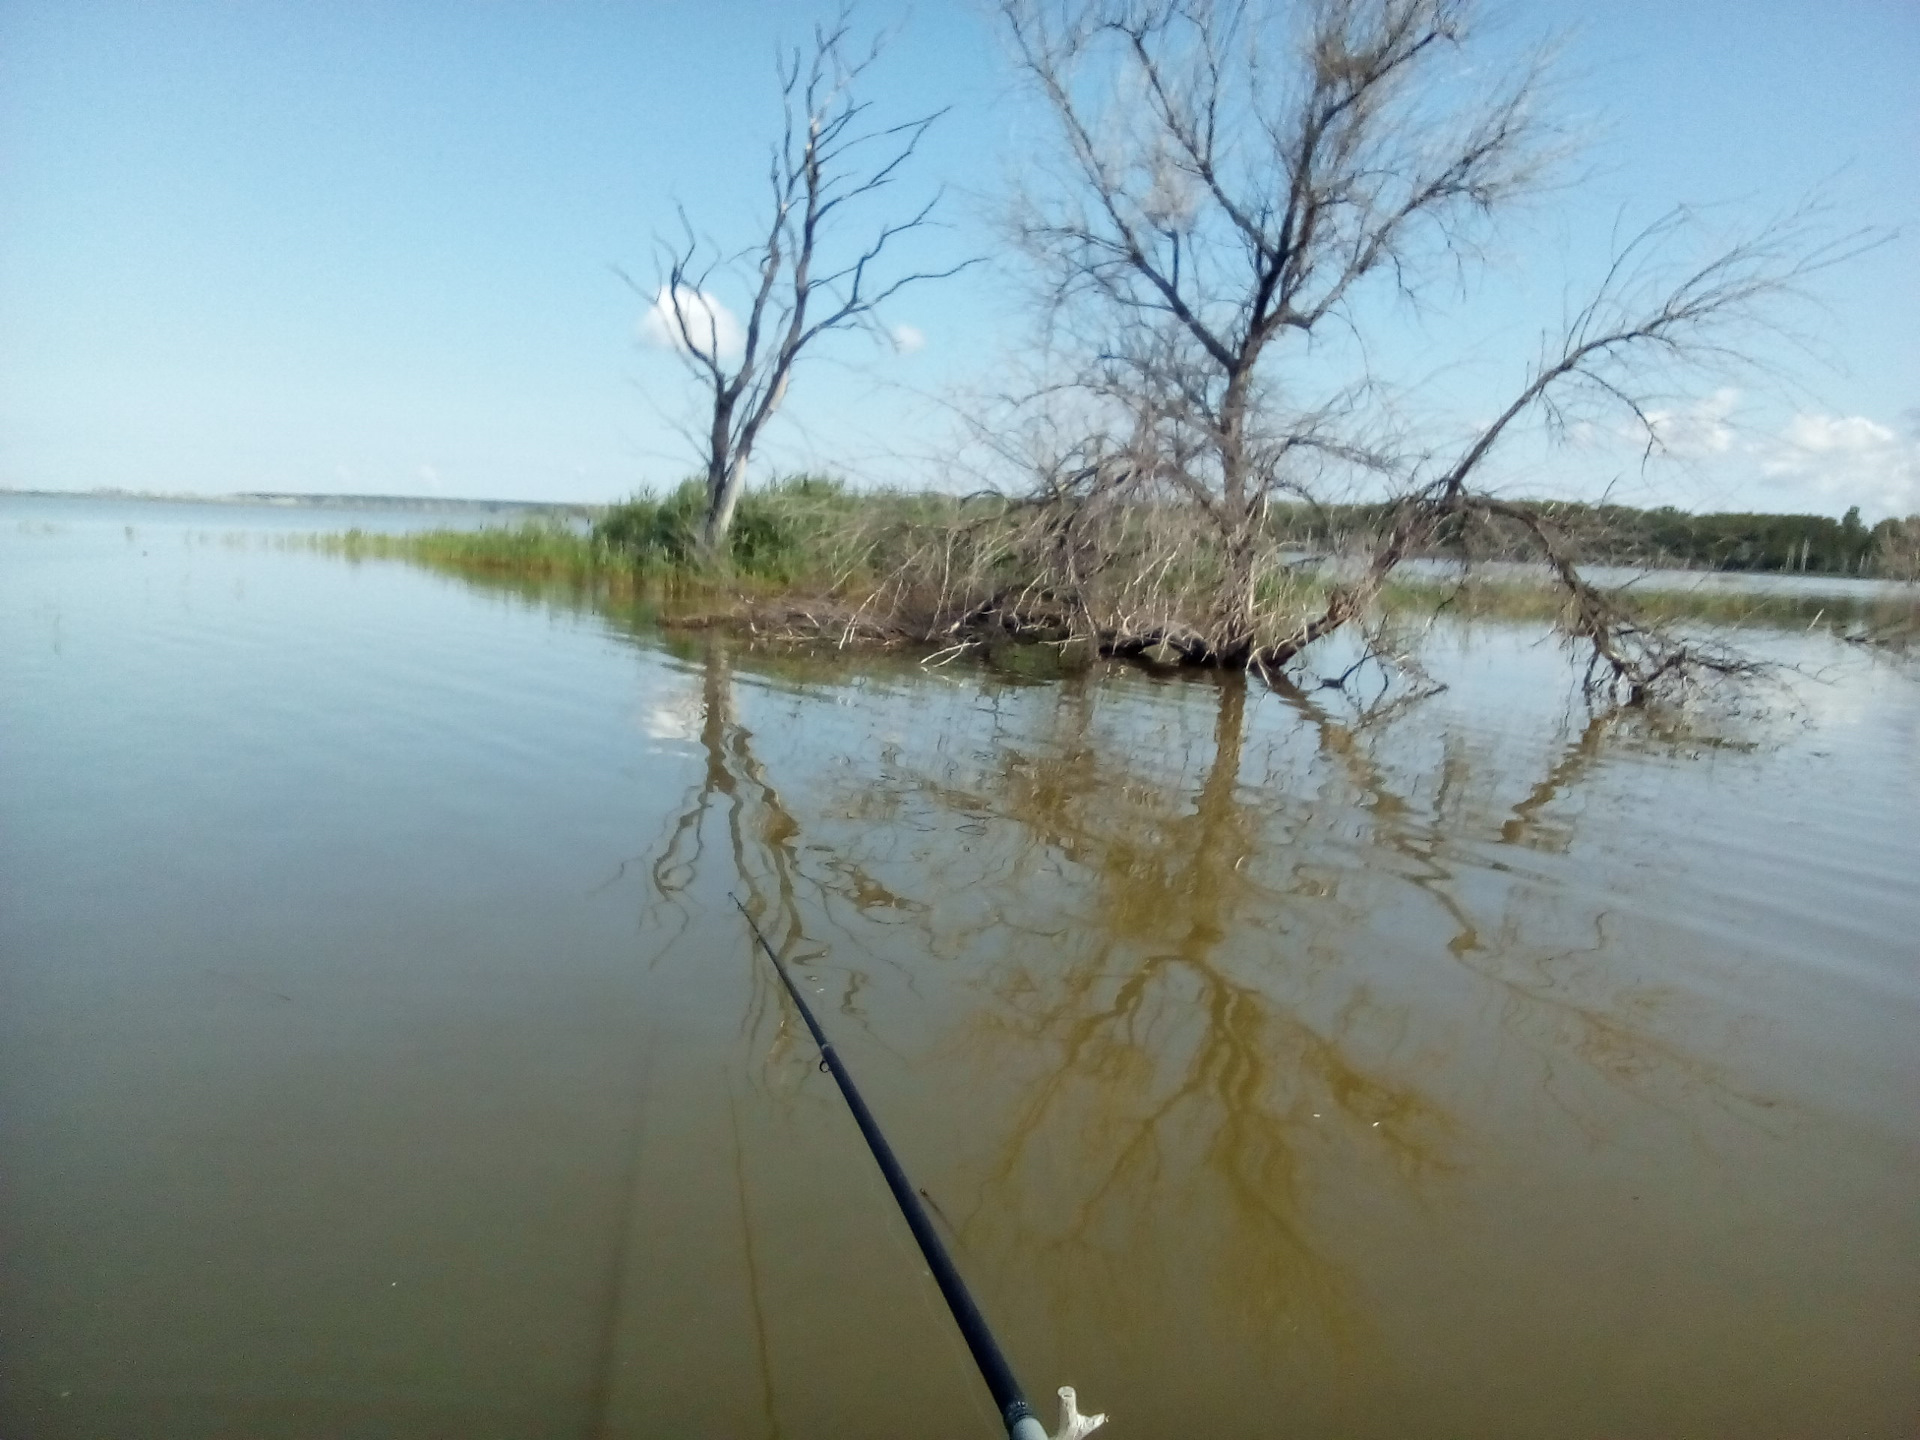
(724, 482)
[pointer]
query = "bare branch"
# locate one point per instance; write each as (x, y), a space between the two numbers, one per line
(1229, 184)
(829, 164)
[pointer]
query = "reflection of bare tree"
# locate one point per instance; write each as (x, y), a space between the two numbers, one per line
(1173, 1058)
(1178, 1023)
(762, 863)
(1604, 732)
(732, 779)
(763, 845)
(1527, 824)
(1181, 999)
(1569, 1000)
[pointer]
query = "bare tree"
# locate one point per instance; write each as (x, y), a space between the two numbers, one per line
(820, 266)
(1896, 553)
(1237, 184)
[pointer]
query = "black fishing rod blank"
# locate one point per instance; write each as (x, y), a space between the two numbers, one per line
(1008, 1397)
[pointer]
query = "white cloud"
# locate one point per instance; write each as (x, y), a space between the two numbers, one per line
(1700, 429)
(711, 325)
(1846, 460)
(675, 717)
(1809, 462)
(1825, 434)
(907, 339)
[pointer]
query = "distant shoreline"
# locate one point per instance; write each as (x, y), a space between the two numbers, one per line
(294, 500)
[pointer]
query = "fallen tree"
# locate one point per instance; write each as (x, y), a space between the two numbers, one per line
(1233, 183)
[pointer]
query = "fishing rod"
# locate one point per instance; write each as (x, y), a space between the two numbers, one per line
(1015, 1412)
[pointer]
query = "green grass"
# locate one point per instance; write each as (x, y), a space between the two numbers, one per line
(809, 539)
(778, 538)
(806, 534)
(535, 548)
(1540, 600)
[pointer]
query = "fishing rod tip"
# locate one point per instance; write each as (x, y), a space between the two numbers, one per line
(1072, 1423)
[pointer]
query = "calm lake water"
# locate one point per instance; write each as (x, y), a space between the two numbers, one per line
(380, 1054)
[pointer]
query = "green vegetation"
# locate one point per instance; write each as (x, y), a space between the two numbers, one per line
(811, 529)
(645, 538)
(1534, 599)
(533, 548)
(1664, 538)
(807, 556)
(782, 533)
(804, 532)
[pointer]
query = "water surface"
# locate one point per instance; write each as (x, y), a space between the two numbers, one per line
(380, 1054)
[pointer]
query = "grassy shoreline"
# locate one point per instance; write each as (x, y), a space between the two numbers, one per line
(808, 559)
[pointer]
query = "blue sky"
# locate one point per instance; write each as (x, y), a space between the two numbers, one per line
(372, 247)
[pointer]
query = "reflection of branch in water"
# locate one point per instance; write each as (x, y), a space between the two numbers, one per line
(1524, 826)
(1173, 1057)
(763, 842)
(1604, 730)
(1614, 1036)
(1178, 1051)
(760, 833)
(1153, 955)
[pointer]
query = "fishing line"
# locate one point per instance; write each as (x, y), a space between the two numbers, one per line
(1015, 1413)
(612, 1301)
(753, 1269)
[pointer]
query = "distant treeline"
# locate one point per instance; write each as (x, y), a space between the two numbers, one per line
(1622, 535)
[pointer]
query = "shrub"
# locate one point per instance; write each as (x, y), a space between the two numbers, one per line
(775, 534)
(649, 532)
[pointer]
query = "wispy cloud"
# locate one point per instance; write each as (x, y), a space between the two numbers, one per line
(682, 313)
(908, 338)
(1846, 458)
(674, 718)
(1700, 429)
(1812, 461)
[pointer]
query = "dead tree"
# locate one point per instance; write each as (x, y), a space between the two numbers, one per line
(821, 264)
(1236, 183)
(1896, 552)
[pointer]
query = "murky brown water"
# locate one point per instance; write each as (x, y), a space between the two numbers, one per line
(380, 1054)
